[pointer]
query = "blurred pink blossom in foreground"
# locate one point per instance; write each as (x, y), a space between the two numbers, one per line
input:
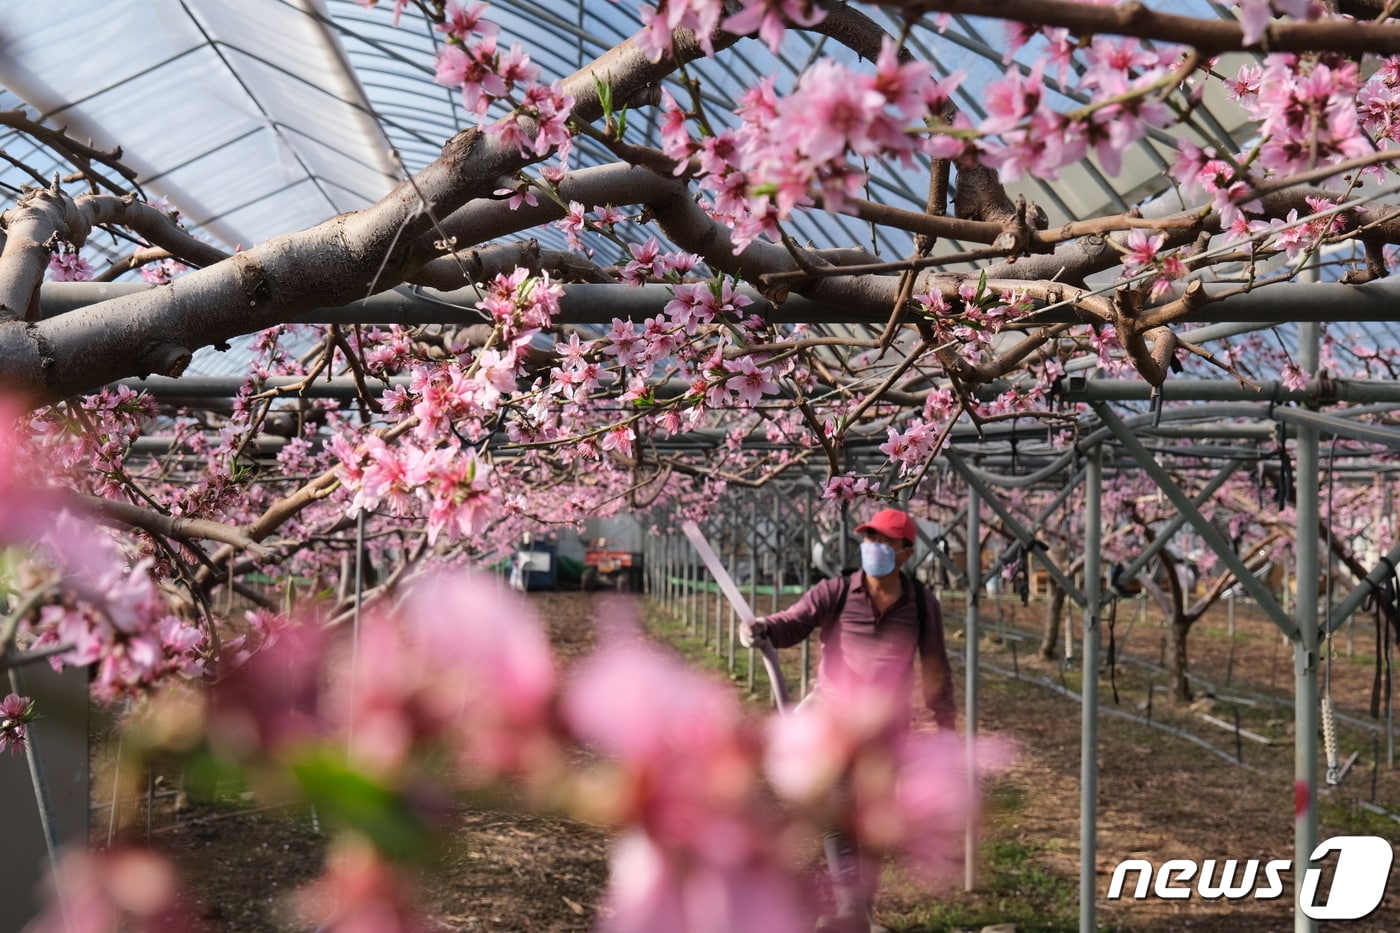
(716, 812)
(127, 888)
(359, 892)
(703, 848)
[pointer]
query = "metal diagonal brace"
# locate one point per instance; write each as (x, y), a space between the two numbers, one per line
(1208, 532)
(1020, 531)
(1372, 583)
(1047, 512)
(1167, 531)
(935, 552)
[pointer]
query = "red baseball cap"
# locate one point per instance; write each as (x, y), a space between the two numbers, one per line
(893, 524)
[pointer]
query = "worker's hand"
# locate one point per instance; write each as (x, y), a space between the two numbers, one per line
(753, 633)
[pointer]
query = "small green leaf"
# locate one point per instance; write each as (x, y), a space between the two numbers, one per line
(207, 775)
(604, 90)
(379, 812)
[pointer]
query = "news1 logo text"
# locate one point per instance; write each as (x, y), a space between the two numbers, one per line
(1359, 876)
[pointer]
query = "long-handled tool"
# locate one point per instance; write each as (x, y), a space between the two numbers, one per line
(741, 606)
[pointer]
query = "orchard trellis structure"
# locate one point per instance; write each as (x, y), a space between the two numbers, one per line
(994, 213)
(776, 523)
(673, 570)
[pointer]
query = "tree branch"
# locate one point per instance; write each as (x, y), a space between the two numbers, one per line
(170, 526)
(1208, 35)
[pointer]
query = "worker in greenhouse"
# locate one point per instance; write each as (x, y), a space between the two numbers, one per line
(874, 624)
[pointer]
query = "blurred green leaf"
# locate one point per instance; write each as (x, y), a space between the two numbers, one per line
(355, 800)
(207, 775)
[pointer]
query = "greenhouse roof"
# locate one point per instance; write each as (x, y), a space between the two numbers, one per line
(271, 116)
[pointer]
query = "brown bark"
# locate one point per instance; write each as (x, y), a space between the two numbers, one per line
(1209, 35)
(341, 260)
(1054, 612)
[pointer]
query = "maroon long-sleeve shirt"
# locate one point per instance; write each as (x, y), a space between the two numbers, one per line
(862, 646)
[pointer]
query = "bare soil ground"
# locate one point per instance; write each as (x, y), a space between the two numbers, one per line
(1181, 787)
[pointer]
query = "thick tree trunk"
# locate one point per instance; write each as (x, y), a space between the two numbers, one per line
(1179, 625)
(342, 260)
(1176, 658)
(1054, 610)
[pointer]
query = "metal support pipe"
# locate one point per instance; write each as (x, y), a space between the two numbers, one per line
(647, 562)
(1079, 389)
(40, 782)
(1305, 644)
(683, 584)
(1372, 583)
(751, 677)
(806, 584)
(656, 571)
(731, 638)
(971, 634)
(1045, 514)
(673, 572)
(717, 535)
(778, 562)
(1340, 427)
(1013, 524)
(1089, 712)
(717, 604)
(1169, 530)
(668, 595)
(691, 596)
(1210, 535)
(673, 577)
(661, 593)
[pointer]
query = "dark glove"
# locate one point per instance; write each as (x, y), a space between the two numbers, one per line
(753, 633)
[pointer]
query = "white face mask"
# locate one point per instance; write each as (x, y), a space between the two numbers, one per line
(876, 559)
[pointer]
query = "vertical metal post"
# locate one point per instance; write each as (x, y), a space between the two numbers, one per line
(716, 605)
(38, 779)
(971, 635)
(664, 571)
(677, 589)
(673, 543)
(1088, 749)
(753, 576)
(703, 595)
(355, 619)
(658, 570)
(655, 563)
(658, 588)
(1305, 647)
(733, 563)
(779, 550)
(647, 588)
(688, 575)
(804, 680)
